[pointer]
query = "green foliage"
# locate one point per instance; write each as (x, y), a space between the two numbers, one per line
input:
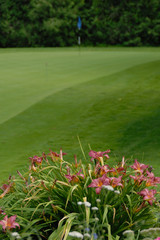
(54, 23)
(55, 199)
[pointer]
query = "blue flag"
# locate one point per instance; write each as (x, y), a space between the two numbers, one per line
(79, 23)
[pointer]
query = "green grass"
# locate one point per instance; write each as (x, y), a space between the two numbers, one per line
(109, 97)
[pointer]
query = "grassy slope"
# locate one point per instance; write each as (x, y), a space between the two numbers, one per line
(110, 98)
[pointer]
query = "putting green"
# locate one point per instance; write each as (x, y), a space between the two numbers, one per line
(109, 97)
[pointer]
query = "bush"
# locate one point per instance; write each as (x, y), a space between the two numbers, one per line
(56, 199)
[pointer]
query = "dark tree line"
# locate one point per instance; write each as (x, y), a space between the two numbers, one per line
(26, 23)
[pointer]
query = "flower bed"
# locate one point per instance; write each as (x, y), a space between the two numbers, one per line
(56, 200)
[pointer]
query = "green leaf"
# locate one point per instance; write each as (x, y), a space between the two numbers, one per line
(62, 231)
(70, 193)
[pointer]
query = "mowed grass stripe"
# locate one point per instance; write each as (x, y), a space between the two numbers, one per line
(28, 76)
(103, 112)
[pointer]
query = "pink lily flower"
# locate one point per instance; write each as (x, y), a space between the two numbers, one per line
(139, 167)
(73, 178)
(114, 182)
(138, 179)
(151, 180)
(157, 238)
(148, 195)
(36, 159)
(150, 174)
(99, 182)
(98, 155)
(101, 170)
(9, 223)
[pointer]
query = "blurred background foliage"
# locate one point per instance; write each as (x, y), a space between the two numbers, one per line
(53, 23)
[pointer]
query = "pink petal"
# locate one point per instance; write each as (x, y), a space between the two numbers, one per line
(98, 190)
(13, 218)
(15, 225)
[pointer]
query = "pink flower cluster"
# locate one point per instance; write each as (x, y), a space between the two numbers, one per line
(37, 161)
(147, 177)
(99, 173)
(106, 175)
(116, 177)
(143, 176)
(98, 183)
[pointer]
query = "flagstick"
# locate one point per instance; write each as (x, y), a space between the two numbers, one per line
(79, 44)
(79, 25)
